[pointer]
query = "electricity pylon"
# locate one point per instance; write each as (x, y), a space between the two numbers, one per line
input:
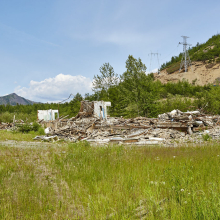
(157, 60)
(185, 58)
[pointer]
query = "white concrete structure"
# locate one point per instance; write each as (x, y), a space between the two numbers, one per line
(100, 109)
(47, 115)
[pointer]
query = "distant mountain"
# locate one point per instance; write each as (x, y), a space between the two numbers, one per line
(14, 99)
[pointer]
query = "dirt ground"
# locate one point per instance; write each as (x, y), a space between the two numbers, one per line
(198, 70)
(13, 143)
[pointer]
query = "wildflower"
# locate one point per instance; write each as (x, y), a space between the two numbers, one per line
(185, 202)
(182, 190)
(174, 156)
(163, 183)
(217, 155)
(157, 158)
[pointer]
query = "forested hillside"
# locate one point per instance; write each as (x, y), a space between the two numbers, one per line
(208, 52)
(132, 94)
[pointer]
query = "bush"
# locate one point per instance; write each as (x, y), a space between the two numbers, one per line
(41, 131)
(206, 137)
(6, 117)
(25, 128)
(36, 126)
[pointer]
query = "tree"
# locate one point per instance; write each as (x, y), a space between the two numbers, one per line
(134, 82)
(106, 80)
(75, 105)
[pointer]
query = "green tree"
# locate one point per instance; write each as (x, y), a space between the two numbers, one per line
(137, 88)
(106, 80)
(74, 105)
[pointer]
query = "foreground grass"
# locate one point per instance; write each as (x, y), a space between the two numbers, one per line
(17, 136)
(82, 182)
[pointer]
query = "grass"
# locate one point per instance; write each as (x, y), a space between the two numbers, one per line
(77, 181)
(17, 136)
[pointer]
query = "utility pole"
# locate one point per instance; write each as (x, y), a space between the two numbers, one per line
(157, 60)
(185, 58)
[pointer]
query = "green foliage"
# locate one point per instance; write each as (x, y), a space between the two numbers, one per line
(6, 117)
(207, 51)
(35, 127)
(206, 137)
(78, 181)
(106, 80)
(41, 131)
(74, 105)
(135, 94)
(173, 67)
(25, 128)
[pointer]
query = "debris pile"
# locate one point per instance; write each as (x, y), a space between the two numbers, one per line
(4, 126)
(174, 125)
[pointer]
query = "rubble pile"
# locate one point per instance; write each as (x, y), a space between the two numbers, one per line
(175, 125)
(4, 126)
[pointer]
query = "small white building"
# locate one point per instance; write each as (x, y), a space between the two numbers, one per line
(47, 115)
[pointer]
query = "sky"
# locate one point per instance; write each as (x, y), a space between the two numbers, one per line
(50, 49)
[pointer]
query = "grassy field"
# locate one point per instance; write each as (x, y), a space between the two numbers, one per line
(17, 136)
(77, 181)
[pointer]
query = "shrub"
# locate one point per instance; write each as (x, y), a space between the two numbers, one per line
(25, 128)
(6, 117)
(36, 126)
(41, 131)
(206, 137)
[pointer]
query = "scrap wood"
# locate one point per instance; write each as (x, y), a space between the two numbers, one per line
(165, 128)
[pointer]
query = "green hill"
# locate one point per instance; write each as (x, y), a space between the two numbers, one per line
(208, 52)
(14, 99)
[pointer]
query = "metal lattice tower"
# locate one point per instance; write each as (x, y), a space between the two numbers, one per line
(185, 58)
(157, 60)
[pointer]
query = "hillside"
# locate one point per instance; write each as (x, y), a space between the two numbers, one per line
(200, 73)
(14, 99)
(205, 65)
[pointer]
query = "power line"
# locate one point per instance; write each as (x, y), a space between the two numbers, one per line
(185, 58)
(157, 60)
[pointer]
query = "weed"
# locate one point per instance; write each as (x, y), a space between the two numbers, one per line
(41, 131)
(206, 137)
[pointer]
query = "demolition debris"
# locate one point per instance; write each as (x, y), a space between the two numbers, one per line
(93, 125)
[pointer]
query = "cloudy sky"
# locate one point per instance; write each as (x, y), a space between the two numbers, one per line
(51, 48)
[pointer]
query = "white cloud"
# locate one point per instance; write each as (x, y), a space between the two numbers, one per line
(152, 71)
(55, 89)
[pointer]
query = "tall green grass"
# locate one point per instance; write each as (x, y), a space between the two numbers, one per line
(77, 181)
(8, 117)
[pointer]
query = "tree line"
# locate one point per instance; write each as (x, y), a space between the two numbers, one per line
(133, 93)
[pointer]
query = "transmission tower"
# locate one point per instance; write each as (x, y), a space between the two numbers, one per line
(157, 60)
(185, 58)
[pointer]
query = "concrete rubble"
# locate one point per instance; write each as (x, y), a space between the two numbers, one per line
(168, 129)
(4, 126)
(92, 124)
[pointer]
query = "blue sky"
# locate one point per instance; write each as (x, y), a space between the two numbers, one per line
(49, 49)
